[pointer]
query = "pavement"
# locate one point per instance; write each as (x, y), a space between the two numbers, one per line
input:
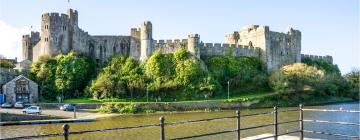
(284, 137)
(80, 113)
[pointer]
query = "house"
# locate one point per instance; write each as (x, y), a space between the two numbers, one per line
(21, 89)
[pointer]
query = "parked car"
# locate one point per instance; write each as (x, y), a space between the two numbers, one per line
(6, 105)
(67, 107)
(32, 110)
(19, 105)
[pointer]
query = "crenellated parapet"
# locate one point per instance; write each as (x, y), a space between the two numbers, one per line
(326, 58)
(218, 49)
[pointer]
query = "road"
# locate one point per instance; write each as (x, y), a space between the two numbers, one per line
(80, 114)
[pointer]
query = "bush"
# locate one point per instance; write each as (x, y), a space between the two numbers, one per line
(296, 79)
(6, 64)
(353, 83)
(120, 108)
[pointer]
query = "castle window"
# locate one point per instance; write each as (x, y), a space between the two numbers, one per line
(64, 28)
(250, 44)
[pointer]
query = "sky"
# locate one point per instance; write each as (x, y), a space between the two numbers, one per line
(328, 27)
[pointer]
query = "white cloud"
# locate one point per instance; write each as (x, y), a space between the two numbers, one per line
(10, 40)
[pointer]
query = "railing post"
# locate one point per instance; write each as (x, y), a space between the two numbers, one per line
(162, 124)
(275, 122)
(301, 122)
(66, 131)
(238, 124)
(74, 111)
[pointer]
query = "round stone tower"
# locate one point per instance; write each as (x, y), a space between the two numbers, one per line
(146, 40)
(26, 48)
(54, 34)
(193, 45)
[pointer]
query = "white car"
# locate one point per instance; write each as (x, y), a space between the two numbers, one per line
(32, 110)
(19, 105)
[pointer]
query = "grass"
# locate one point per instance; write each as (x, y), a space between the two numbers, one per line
(247, 95)
(82, 100)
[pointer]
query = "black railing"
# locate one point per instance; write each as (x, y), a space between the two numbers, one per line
(238, 129)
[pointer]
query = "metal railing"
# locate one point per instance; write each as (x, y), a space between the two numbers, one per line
(238, 129)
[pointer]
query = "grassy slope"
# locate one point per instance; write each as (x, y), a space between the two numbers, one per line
(244, 96)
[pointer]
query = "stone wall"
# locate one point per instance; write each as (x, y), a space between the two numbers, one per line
(169, 45)
(277, 49)
(326, 58)
(218, 49)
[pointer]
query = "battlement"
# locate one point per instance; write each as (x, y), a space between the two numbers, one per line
(54, 17)
(209, 45)
(26, 36)
(135, 29)
(327, 58)
(255, 28)
(194, 35)
(170, 41)
(145, 23)
(291, 31)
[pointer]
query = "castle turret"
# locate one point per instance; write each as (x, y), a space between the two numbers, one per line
(295, 38)
(54, 34)
(26, 48)
(146, 40)
(193, 45)
(73, 22)
(232, 38)
(28, 42)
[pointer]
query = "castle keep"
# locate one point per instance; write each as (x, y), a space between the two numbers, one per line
(60, 34)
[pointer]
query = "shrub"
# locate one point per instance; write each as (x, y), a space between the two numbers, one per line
(296, 79)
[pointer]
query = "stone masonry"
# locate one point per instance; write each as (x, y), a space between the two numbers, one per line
(60, 34)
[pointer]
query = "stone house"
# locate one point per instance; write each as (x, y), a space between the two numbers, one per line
(21, 89)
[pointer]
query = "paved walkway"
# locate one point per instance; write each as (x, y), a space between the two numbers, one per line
(80, 114)
(285, 137)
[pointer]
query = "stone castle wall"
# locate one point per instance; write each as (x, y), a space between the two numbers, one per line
(276, 49)
(326, 58)
(60, 34)
(218, 49)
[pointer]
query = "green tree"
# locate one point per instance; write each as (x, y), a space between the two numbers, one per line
(121, 78)
(72, 74)
(244, 73)
(353, 79)
(6, 64)
(43, 72)
(178, 75)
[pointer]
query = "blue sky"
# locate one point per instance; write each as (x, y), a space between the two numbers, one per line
(329, 27)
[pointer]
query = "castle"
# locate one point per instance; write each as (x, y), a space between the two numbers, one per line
(60, 34)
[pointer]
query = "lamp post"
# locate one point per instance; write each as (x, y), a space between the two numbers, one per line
(228, 89)
(147, 93)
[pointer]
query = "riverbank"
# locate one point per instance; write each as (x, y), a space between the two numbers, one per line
(214, 105)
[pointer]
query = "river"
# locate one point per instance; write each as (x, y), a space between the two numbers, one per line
(199, 128)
